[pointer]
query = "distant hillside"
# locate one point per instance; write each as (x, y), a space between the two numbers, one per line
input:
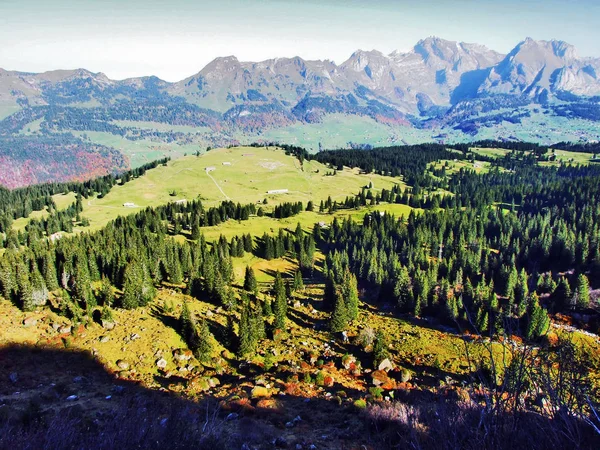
(446, 91)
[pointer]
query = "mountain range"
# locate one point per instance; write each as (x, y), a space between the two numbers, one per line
(444, 90)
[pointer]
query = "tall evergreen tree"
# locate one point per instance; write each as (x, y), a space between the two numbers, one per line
(582, 291)
(339, 317)
(280, 305)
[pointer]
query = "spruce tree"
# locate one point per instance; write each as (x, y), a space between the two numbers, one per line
(562, 295)
(403, 289)
(25, 291)
(339, 317)
(245, 342)
(107, 293)
(298, 283)
(204, 347)
(280, 305)
(582, 291)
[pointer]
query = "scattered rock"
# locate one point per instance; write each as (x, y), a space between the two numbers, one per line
(348, 361)
(134, 337)
(65, 329)
(231, 416)
(161, 363)
(122, 364)
(405, 376)
(213, 382)
(108, 325)
(386, 365)
(13, 377)
(260, 392)
(182, 354)
(29, 322)
(379, 377)
(104, 339)
(72, 398)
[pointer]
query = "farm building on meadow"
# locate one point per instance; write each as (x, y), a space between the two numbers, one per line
(210, 168)
(129, 205)
(277, 191)
(226, 163)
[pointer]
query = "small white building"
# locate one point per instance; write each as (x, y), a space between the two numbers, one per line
(183, 201)
(210, 168)
(226, 163)
(278, 191)
(129, 205)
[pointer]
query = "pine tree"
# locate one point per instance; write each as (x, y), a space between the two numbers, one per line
(562, 295)
(298, 282)
(521, 293)
(187, 327)
(403, 289)
(339, 317)
(539, 322)
(280, 305)
(582, 291)
(245, 341)
(25, 290)
(204, 347)
(107, 293)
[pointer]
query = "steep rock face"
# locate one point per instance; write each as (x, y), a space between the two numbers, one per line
(426, 75)
(226, 82)
(539, 68)
(429, 81)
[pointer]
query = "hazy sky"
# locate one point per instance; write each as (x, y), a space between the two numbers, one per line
(174, 39)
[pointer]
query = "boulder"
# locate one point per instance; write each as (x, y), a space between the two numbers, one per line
(161, 363)
(386, 365)
(124, 365)
(65, 329)
(405, 376)
(182, 354)
(260, 392)
(108, 325)
(30, 322)
(379, 377)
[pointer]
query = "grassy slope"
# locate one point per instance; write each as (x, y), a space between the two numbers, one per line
(62, 202)
(246, 180)
(561, 155)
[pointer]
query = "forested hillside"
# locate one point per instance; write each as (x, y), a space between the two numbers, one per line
(462, 281)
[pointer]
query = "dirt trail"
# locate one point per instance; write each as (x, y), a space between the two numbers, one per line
(217, 185)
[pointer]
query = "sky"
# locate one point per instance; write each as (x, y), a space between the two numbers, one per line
(177, 38)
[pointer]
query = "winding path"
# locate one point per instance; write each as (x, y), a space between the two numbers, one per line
(217, 185)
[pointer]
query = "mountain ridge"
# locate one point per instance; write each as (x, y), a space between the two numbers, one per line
(439, 90)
